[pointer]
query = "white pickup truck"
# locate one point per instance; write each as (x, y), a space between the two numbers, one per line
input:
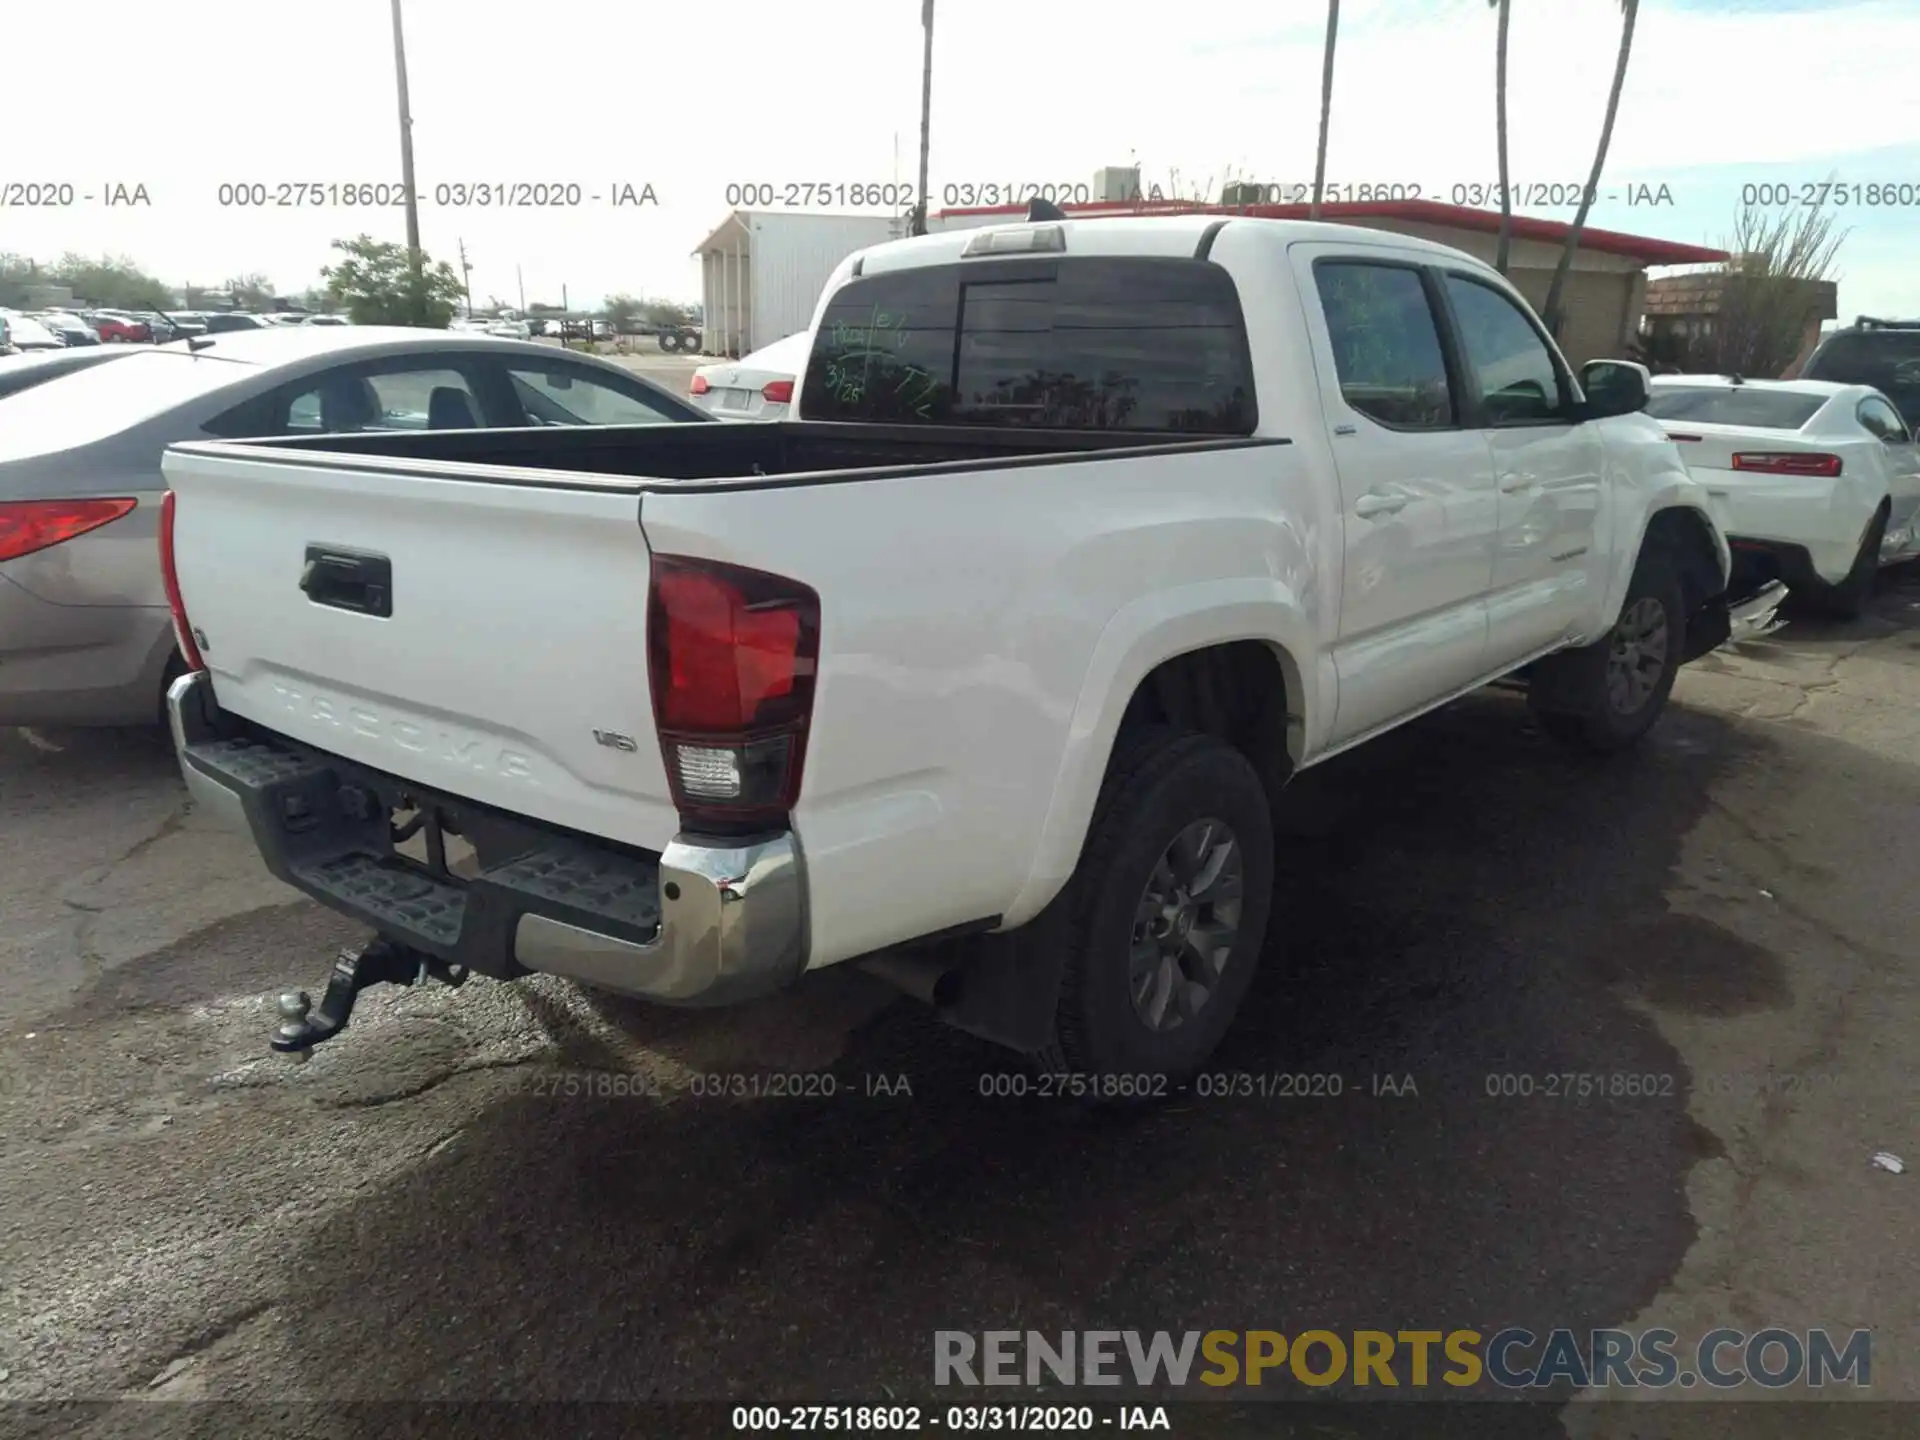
(984, 671)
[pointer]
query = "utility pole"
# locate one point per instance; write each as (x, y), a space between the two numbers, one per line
(466, 277)
(926, 113)
(521, 281)
(406, 160)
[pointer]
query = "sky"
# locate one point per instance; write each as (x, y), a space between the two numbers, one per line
(689, 98)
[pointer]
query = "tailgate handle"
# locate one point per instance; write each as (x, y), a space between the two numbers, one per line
(349, 580)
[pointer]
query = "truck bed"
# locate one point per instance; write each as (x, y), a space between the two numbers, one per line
(636, 458)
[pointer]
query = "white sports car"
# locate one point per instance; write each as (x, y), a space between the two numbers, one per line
(1821, 482)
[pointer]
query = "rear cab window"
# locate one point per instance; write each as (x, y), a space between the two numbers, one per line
(1734, 405)
(1132, 343)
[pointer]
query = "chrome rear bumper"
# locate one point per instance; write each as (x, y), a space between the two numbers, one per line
(708, 921)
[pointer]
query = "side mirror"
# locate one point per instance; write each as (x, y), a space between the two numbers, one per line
(1615, 387)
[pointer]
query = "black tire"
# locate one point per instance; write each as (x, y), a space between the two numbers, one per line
(1161, 783)
(669, 341)
(1846, 600)
(1583, 701)
(176, 667)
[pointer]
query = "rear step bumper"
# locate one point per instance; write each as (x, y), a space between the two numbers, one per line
(709, 922)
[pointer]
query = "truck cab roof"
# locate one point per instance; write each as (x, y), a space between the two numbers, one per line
(1144, 235)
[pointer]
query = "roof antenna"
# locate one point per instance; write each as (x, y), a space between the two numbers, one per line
(1736, 380)
(1039, 209)
(197, 343)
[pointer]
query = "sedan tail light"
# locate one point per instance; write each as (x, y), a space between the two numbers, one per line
(778, 392)
(699, 386)
(731, 655)
(30, 525)
(170, 576)
(1787, 462)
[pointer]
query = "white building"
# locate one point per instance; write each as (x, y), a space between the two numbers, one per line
(762, 271)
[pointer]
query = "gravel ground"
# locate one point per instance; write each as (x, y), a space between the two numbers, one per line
(442, 1205)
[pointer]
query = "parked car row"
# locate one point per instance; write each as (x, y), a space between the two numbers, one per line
(30, 330)
(671, 338)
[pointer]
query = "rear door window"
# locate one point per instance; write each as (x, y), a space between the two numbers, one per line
(1888, 360)
(1734, 405)
(1386, 343)
(1101, 343)
(419, 393)
(556, 394)
(1881, 421)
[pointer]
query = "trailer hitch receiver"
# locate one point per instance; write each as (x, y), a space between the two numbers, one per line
(379, 962)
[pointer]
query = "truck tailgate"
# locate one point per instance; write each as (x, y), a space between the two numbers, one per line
(511, 667)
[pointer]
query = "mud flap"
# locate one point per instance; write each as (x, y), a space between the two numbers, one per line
(1010, 987)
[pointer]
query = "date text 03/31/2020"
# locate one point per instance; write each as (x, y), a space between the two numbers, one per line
(545, 1084)
(452, 195)
(963, 1419)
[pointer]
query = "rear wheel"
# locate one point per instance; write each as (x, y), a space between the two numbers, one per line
(1605, 696)
(1846, 600)
(1164, 918)
(669, 341)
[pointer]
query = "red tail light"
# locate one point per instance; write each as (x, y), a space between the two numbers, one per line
(731, 654)
(30, 525)
(699, 386)
(778, 392)
(1787, 462)
(170, 574)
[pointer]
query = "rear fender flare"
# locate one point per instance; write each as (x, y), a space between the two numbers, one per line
(1683, 494)
(1142, 635)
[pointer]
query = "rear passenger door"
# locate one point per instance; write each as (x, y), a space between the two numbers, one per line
(1546, 463)
(1416, 486)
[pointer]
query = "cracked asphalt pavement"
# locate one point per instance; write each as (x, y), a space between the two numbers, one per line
(523, 1191)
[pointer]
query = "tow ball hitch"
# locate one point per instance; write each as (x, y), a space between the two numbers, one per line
(379, 962)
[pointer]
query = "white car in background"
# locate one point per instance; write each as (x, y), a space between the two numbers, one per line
(1821, 482)
(510, 329)
(25, 333)
(755, 387)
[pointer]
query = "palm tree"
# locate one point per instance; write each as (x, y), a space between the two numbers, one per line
(1500, 137)
(1629, 12)
(919, 225)
(1326, 107)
